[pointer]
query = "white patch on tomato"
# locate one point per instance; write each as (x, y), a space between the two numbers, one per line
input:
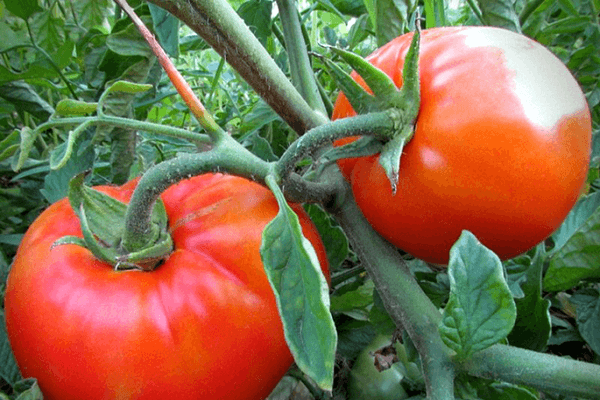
(544, 84)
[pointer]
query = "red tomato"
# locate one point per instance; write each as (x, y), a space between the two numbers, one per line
(203, 325)
(501, 147)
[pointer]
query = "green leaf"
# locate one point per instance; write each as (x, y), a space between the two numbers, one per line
(333, 236)
(94, 14)
(9, 145)
(358, 32)
(56, 183)
(533, 326)
(37, 70)
(166, 27)
(488, 389)
(584, 208)
(22, 96)
(122, 154)
(23, 8)
(9, 371)
(28, 137)
(28, 389)
(587, 302)
(118, 100)
(392, 18)
(579, 257)
(355, 303)
(355, 8)
(129, 42)
(259, 146)
(257, 15)
(380, 319)
(500, 13)
(568, 25)
(516, 274)
(569, 7)
(301, 292)
(49, 31)
(481, 310)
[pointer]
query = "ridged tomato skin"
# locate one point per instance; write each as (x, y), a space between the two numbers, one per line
(501, 147)
(203, 325)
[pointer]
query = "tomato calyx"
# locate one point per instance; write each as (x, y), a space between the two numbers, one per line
(403, 104)
(102, 224)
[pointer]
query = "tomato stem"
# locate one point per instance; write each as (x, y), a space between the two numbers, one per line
(373, 124)
(403, 298)
(228, 156)
(546, 372)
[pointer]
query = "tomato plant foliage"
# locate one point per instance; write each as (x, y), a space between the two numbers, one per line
(542, 296)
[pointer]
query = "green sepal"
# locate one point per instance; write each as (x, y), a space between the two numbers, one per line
(71, 107)
(99, 249)
(405, 102)
(102, 220)
(408, 103)
(361, 101)
(390, 156)
(162, 244)
(410, 93)
(362, 147)
(385, 92)
(104, 214)
(76, 240)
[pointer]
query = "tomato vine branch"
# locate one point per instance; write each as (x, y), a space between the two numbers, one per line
(191, 100)
(543, 371)
(407, 304)
(217, 23)
(373, 124)
(227, 156)
(129, 124)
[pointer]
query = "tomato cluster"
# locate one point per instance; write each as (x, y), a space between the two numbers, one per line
(203, 324)
(501, 145)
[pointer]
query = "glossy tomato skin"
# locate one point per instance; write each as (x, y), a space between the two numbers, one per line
(501, 146)
(203, 325)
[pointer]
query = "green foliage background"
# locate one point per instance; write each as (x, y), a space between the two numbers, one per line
(54, 50)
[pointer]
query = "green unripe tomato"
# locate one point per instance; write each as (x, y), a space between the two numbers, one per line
(366, 382)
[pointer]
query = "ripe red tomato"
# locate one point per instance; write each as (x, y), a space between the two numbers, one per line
(203, 325)
(501, 147)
